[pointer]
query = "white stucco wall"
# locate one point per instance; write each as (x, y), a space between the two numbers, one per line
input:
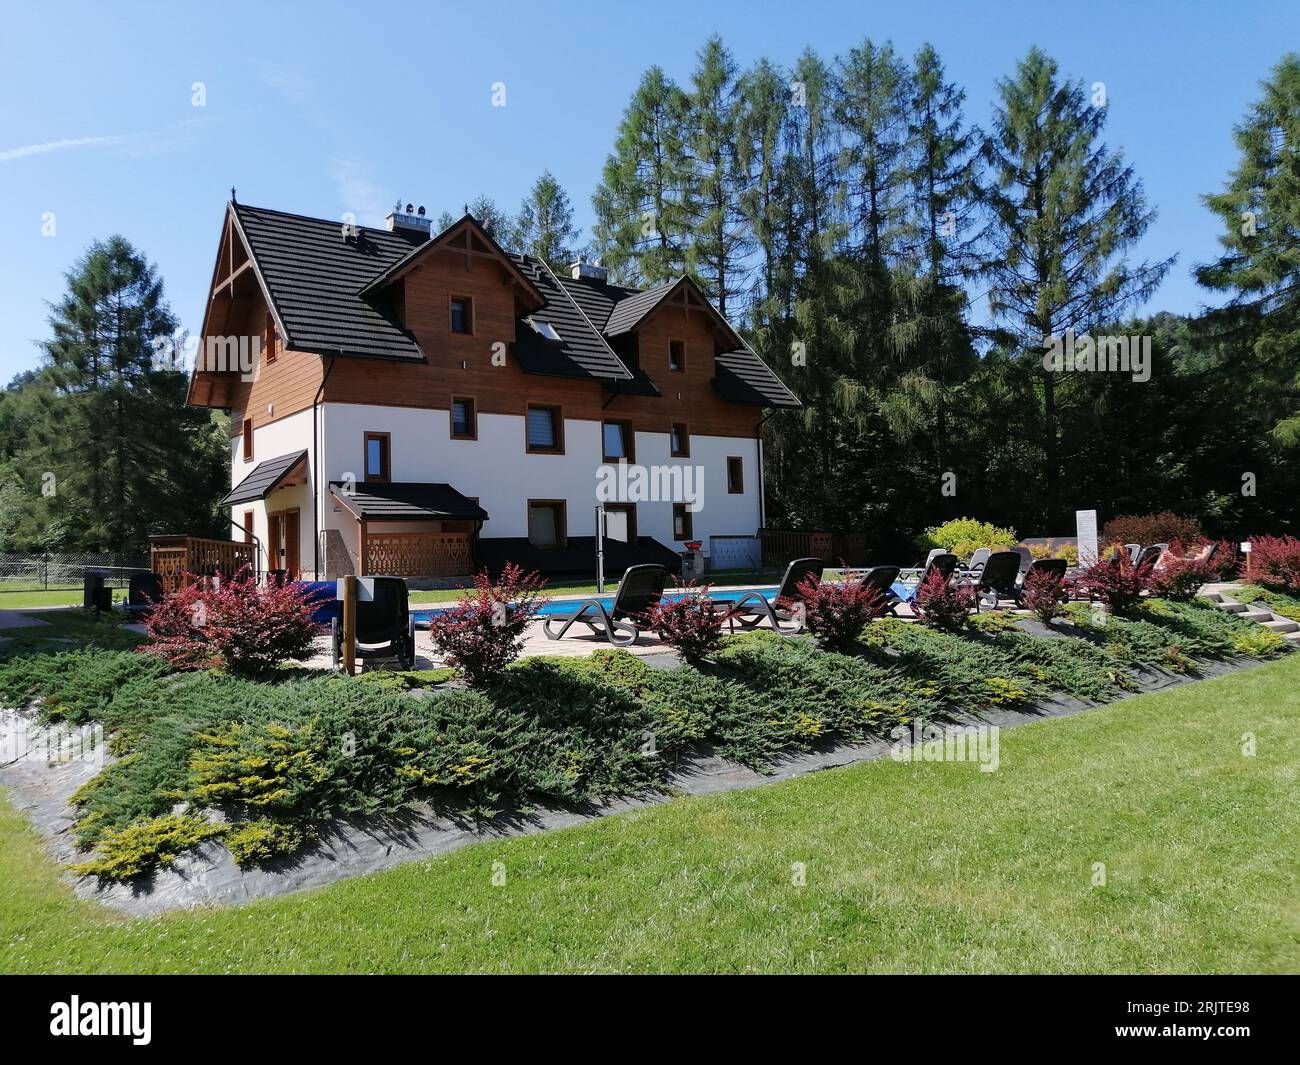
(270, 441)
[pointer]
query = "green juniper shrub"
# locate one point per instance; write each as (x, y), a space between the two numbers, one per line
(254, 842)
(137, 848)
(74, 685)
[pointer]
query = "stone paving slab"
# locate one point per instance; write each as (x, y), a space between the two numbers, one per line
(11, 619)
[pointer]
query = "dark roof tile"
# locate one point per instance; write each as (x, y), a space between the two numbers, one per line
(264, 479)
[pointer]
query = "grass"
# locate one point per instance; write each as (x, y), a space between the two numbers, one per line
(25, 599)
(925, 867)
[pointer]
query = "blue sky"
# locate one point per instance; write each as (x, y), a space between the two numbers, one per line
(321, 108)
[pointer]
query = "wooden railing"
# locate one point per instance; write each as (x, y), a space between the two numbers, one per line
(781, 546)
(176, 558)
(419, 554)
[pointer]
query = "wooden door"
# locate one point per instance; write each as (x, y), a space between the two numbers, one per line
(274, 553)
(292, 544)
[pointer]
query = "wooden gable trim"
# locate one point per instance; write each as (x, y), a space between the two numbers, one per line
(460, 237)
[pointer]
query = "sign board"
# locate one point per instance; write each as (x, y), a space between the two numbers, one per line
(616, 525)
(1245, 547)
(1085, 526)
(365, 589)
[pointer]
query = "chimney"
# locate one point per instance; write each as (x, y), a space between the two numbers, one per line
(409, 220)
(593, 271)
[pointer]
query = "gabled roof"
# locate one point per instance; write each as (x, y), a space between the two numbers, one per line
(582, 350)
(312, 277)
(466, 230)
(631, 311)
(406, 501)
(742, 377)
(265, 479)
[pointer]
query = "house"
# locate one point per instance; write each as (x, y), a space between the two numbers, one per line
(424, 404)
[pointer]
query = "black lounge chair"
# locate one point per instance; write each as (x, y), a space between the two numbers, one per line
(1054, 567)
(144, 592)
(751, 609)
(640, 589)
(385, 627)
(997, 578)
(944, 562)
(882, 579)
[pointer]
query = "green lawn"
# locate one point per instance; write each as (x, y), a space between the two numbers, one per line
(28, 598)
(928, 867)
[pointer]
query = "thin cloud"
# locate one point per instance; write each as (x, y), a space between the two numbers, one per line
(66, 143)
(134, 145)
(357, 192)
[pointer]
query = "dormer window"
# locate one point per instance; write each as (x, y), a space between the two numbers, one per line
(462, 315)
(544, 329)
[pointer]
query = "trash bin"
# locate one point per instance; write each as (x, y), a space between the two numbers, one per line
(92, 583)
(692, 561)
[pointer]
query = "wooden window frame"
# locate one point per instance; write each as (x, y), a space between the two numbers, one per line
(629, 440)
(473, 417)
(250, 517)
(686, 437)
(630, 509)
(246, 432)
(557, 425)
(681, 367)
(562, 528)
(688, 523)
(736, 487)
(269, 335)
(451, 301)
(386, 476)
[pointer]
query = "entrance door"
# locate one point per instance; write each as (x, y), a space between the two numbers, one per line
(292, 544)
(274, 536)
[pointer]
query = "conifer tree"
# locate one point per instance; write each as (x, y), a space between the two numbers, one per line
(544, 226)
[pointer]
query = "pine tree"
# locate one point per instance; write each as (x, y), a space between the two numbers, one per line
(1260, 264)
(486, 212)
(720, 238)
(544, 226)
(640, 230)
(1064, 210)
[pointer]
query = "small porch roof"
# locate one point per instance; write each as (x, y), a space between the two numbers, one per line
(407, 501)
(266, 478)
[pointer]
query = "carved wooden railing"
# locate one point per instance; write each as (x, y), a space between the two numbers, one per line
(418, 554)
(176, 558)
(781, 546)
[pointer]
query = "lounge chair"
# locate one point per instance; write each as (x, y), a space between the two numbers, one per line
(978, 559)
(751, 609)
(640, 589)
(882, 579)
(1133, 551)
(996, 578)
(1150, 555)
(385, 627)
(144, 592)
(944, 562)
(933, 555)
(1054, 567)
(1026, 558)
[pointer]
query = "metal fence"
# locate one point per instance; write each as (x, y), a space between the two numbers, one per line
(64, 571)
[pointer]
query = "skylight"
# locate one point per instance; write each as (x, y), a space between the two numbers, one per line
(543, 328)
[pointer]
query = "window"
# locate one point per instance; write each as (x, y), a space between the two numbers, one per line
(682, 526)
(679, 441)
(248, 439)
(464, 426)
(677, 355)
(462, 314)
(543, 329)
(377, 457)
(735, 475)
(248, 526)
(546, 523)
(620, 522)
(268, 337)
(618, 441)
(545, 432)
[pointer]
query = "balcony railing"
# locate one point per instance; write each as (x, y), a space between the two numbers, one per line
(176, 558)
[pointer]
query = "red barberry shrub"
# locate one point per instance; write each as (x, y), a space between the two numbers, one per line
(484, 632)
(835, 612)
(1044, 594)
(1182, 570)
(942, 604)
(1162, 528)
(690, 623)
(1116, 582)
(1274, 562)
(235, 623)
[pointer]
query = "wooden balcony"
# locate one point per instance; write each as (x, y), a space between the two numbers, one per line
(176, 558)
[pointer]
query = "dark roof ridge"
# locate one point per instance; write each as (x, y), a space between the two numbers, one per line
(578, 307)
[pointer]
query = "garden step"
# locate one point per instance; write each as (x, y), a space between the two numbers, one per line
(1282, 625)
(1294, 637)
(1257, 615)
(1234, 608)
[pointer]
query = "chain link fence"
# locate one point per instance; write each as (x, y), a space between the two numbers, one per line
(64, 571)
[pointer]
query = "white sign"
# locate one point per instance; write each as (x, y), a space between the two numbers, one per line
(1085, 527)
(1245, 547)
(365, 589)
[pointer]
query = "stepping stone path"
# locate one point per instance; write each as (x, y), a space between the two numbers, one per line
(1284, 627)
